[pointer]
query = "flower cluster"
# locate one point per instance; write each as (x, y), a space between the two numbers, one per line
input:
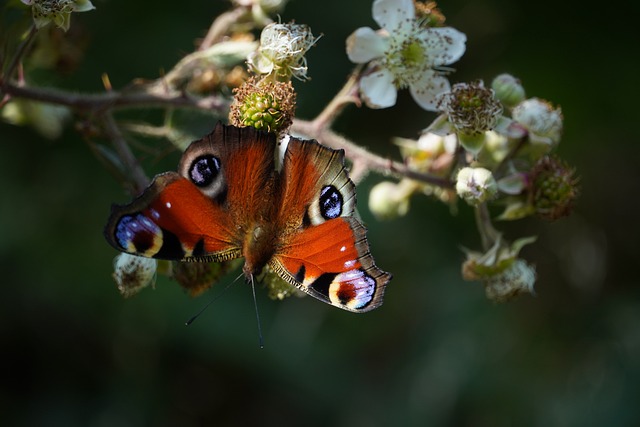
(503, 140)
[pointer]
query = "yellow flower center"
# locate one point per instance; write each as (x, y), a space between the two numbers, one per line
(406, 57)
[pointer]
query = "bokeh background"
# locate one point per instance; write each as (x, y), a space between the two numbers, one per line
(75, 353)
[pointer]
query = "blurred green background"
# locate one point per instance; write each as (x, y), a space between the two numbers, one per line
(75, 353)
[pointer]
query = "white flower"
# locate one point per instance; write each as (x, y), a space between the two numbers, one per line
(406, 53)
(543, 122)
(476, 185)
(518, 279)
(58, 11)
(282, 49)
(133, 273)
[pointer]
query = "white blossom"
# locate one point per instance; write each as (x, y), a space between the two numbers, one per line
(405, 54)
(133, 273)
(543, 122)
(56, 11)
(282, 51)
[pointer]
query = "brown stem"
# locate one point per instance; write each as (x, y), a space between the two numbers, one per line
(347, 95)
(358, 154)
(220, 27)
(133, 168)
(22, 49)
(147, 96)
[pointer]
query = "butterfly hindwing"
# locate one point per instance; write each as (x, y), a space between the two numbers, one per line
(328, 256)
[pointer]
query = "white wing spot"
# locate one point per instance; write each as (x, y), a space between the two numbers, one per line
(349, 264)
(168, 204)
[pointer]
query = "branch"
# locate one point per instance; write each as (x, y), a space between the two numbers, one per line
(22, 49)
(361, 156)
(138, 97)
(221, 26)
(132, 167)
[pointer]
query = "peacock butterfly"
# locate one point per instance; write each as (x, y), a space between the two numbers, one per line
(229, 200)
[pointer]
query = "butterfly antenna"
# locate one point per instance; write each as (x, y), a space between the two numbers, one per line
(190, 321)
(255, 304)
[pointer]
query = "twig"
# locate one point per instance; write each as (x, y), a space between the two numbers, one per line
(347, 95)
(488, 233)
(137, 175)
(358, 154)
(146, 96)
(22, 49)
(220, 27)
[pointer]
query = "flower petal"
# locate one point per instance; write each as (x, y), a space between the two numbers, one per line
(427, 91)
(389, 14)
(377, 89)
(364, 45)
(83, 6)
(444, 45)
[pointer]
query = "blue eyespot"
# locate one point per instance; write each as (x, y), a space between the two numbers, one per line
(330, 202)
(204, 170)
(136, 232)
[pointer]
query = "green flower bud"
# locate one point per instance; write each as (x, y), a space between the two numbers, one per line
(508, 90)
(388, 200)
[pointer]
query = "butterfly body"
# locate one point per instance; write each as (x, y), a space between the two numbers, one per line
(230, 200)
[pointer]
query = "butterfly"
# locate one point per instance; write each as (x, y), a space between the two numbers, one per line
(229, 199)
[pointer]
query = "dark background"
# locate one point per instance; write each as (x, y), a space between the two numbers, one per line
(436, 353)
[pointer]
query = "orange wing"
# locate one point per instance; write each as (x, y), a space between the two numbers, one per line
(201, 213)
(326, 253)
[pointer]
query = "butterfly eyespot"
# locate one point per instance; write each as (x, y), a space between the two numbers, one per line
(137, 233)
(204, 170)
(330, 202)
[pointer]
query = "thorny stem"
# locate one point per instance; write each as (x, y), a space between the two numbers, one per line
(360, 156)
(22, 49)
(488, 233)
(155, 96)
(347, 95)
(133, 168)
(220, 27)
